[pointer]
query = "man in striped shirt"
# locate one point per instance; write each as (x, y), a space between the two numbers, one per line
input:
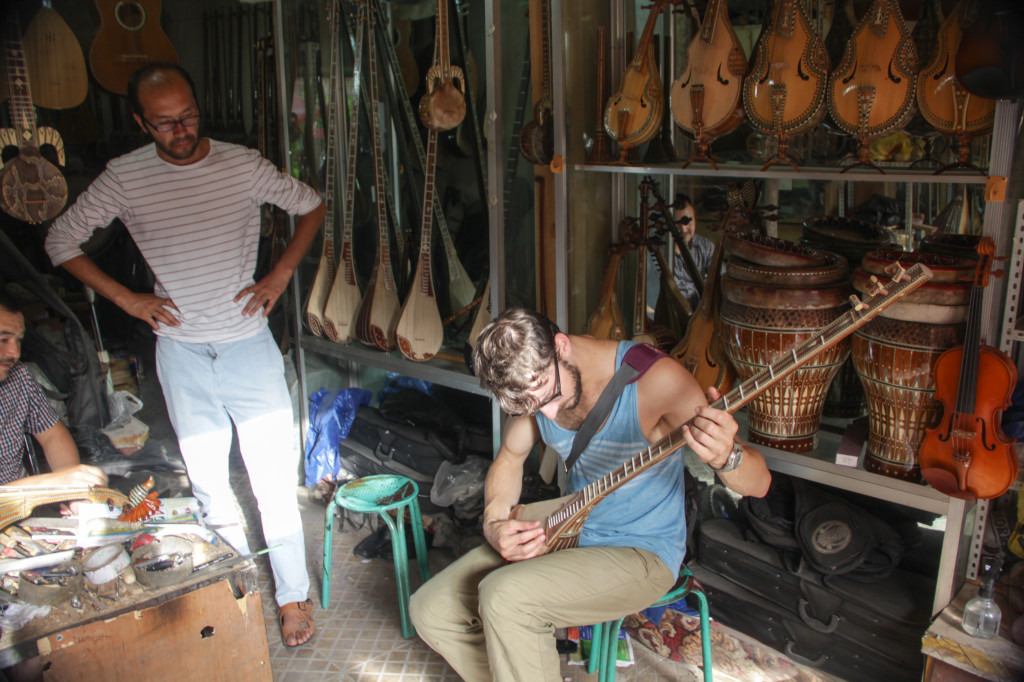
(192, 206)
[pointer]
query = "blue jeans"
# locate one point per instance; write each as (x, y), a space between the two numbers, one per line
(209, 386)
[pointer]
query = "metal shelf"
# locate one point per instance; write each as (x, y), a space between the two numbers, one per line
(438, 370)
(830, 173)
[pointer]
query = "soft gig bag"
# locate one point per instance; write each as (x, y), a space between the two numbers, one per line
(377, 445)
(844, 626)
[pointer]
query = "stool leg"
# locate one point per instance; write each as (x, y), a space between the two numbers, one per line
(419, 541)
(401, 559)
(611, 650)
(705, 635)
(596, 648)
(325, 583)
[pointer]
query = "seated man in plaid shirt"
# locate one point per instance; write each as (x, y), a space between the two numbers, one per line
(24, 409)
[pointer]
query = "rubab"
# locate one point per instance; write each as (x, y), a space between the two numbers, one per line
(343, 301)
(444, 105)
(707, 99)
(316, 317)
(632, 115)
(563, 518)
(379, 308)
(784, 93)
(606, 320)
(55, 61)
(944, 102)
(871, 92)
(31, 188)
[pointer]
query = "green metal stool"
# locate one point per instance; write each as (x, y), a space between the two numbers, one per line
(381, 494)
(605, 641)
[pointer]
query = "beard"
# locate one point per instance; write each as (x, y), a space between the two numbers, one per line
(183, 147)
(569, 417)
(6, 365)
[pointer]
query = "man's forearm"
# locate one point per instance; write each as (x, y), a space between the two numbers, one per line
(306, 229)
(87, 272)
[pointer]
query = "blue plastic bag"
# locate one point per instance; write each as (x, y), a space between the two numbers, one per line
(331, 414)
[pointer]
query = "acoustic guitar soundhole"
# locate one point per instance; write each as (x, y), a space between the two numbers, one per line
(130, 15)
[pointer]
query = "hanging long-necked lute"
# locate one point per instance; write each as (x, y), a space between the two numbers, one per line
(564, 517)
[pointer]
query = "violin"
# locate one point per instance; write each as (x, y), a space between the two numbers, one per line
(967, 455)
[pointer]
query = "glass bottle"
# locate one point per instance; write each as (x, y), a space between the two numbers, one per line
(981, 614)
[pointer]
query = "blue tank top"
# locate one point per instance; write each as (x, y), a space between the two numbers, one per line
(647, 512)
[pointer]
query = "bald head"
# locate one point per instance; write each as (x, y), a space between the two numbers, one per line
(157, 75)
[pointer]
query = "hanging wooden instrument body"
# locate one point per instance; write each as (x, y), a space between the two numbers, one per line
(632, 115)
(564, 517)
(707, 99)
(316, 318)
(379, 309)
(784, 93)
(871, 92)
(56, 64)
(343, 300)
(943, 101)
(967, 455)
(444, 105)
(537, 138)
(420, 331)
(606, 320)
(129, 38)
(31, 188)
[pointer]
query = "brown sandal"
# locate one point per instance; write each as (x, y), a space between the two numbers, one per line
(296, 618)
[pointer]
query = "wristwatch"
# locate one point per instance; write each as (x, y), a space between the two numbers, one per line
(735, 457)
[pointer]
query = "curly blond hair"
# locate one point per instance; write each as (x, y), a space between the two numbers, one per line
(511, 354)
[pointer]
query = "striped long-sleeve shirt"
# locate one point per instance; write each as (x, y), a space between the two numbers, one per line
(197, 226)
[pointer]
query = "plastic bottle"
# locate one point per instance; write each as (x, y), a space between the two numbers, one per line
(981, 614)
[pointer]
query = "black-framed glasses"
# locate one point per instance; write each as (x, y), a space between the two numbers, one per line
(189, 121)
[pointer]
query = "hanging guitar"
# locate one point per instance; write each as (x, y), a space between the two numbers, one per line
(871, 92)
(967, 455)
(944, 102)
(537, 138)
(707, 99)
(784, 93)
(317, 320)
(379, 308)
(129, 38)
(419, 331)
(632, 115)
(564, 517)
(606, 320)
(55, 61)
(31, 188)
(444, 105)
(343, 300)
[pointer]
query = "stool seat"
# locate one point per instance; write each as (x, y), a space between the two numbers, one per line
(379, 495)
(604, 641)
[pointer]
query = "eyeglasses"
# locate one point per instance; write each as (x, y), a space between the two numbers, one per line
(168, 126)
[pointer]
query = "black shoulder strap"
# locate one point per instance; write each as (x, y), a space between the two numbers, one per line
(637, 360)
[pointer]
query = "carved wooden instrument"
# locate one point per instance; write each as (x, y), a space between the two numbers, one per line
(56, 64)
(871, 92)
(598, 151)
(701, 351)
(990, 61)
(460, 287)
(707, 99)
(420, 331)
(31, 188)
(379, 308)
(784, 93)
(18, 501)
(644, 330)
(129, 37)
(606, 320)
(564, 517)
(537, 138)
(967, 455)
(672, 309)
(632, 115)
(444, 105)
(483, 316)
(943, 101)
(343, 300)
(316, 317)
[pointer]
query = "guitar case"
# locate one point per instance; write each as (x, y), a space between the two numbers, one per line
(845, 627)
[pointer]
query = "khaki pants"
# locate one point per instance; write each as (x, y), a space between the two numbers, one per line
(495, 621)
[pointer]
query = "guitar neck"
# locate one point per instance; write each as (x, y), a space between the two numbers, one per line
(645, 39)
(427, 224)
(791, 360)
(352, 150)
(333, 112)
(383, 243)
(677, 235)
(441, 38)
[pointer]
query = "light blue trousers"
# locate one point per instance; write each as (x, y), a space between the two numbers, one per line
(207, 388)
